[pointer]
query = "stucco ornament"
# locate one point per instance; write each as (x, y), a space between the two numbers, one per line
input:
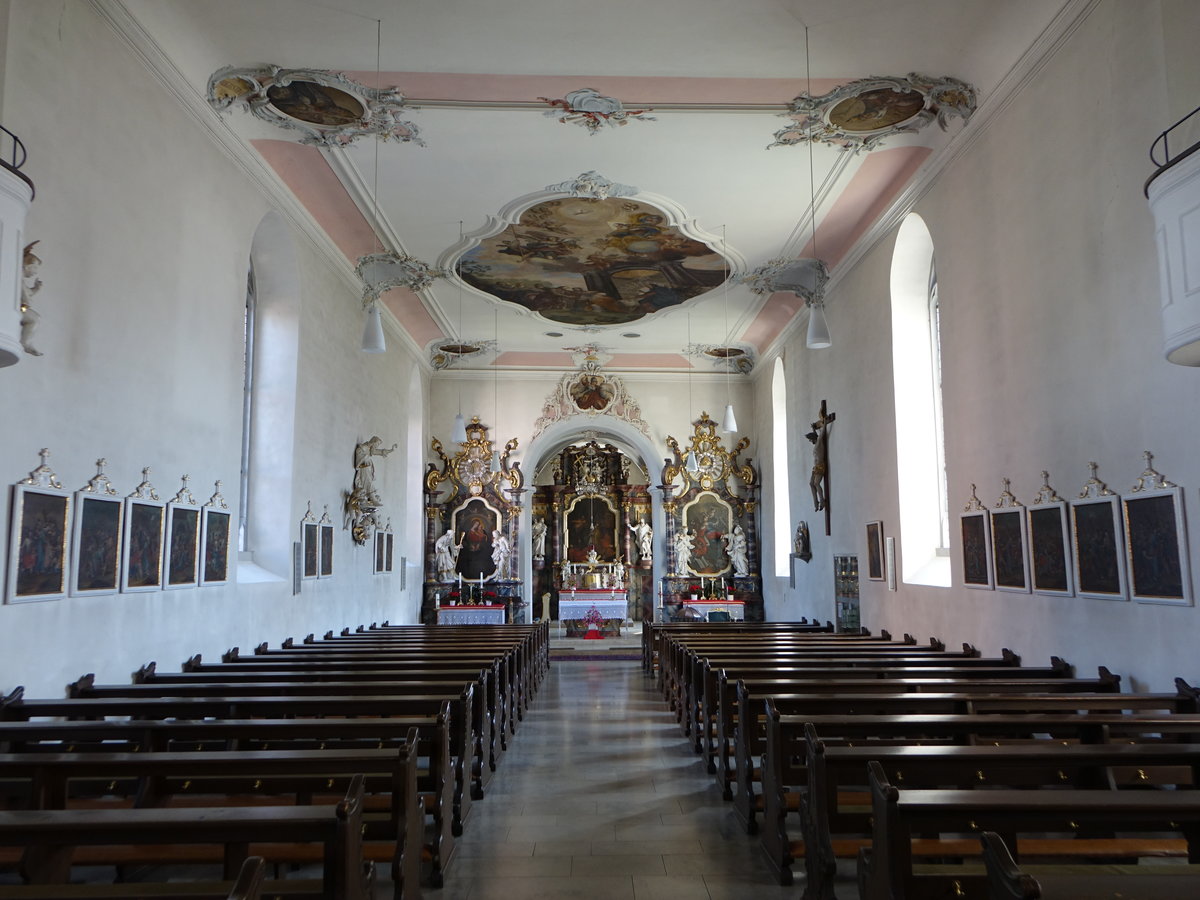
(447, 353)
(592, 110)
(362, 501)
(380, 272)
(861, 114)
(30, 285)
(326, 108)
(590, 392)
(594, 186)
(805, 277)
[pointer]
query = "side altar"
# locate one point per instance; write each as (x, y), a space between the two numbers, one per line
(471, 533)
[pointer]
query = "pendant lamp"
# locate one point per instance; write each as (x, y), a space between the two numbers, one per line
(372, 339)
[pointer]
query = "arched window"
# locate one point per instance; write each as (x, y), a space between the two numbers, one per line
(247, 409)
(779, 468)
(916, 369)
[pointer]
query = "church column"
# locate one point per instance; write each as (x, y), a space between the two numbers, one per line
(433, 528)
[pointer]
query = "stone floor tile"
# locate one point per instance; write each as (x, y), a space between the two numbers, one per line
(614, 888)
(669, 887)
(632, 863)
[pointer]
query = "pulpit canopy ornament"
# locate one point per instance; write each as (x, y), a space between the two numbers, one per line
(470, 468)
(714, 464)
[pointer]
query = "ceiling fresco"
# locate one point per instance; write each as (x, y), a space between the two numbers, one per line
(583, 261)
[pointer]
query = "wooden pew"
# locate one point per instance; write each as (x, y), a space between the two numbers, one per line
(653, 633)
(832, 770)
(49, 837)
(249, 886)
(719, 752)
(139, 738)
(268, 707)
(886, 869)
(1006, 881)
(287, 683)
(48, 780)
(752, 713)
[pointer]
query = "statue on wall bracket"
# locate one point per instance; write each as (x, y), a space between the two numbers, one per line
(362, 501)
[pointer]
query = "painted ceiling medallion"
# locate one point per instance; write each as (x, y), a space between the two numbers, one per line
(380, 272)
(861, 114)
(804, 277)
(589, 262)
(327, 108)
(592, 110)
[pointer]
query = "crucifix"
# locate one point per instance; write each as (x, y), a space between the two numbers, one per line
(819, 480)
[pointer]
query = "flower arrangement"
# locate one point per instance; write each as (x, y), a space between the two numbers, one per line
(593, 617)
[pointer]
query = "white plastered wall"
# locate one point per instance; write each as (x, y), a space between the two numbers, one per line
(146, 229)
(1051, 358)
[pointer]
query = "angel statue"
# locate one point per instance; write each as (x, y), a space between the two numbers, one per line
(30, 285)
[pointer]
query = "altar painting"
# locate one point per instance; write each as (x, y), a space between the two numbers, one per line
(474, 523)
(709, 519)
(591, 524)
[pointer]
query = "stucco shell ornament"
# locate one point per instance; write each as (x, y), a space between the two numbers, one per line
(326, 108)
(860, 115)
(592, 110)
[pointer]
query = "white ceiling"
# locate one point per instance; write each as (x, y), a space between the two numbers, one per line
(711, 163)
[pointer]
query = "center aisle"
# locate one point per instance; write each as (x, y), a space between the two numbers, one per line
(600, 797)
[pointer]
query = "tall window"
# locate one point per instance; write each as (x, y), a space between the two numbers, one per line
(916, 371)
(779, 468)
(247, 409)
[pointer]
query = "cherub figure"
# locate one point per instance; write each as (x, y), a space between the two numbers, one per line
(30, 285)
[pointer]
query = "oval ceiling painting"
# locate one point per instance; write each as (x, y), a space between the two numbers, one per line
(592, 262)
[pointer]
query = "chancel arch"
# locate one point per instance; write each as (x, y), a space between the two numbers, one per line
(632, 496)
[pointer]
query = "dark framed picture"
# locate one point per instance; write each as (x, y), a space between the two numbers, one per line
(387, 552)
(1010, 564)
(326, 550)
(182, 546)
(214, 546)
(1098, 554)
(380, 552)
(976, 550)
(142, 545)
(96, 545)
(310, 537)
(1049, 549)
(875, 551)
(1156, 546)
(38, 536)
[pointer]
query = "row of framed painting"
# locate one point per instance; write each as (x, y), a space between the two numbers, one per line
(94, 541)
(1100, 544)
(316, 546)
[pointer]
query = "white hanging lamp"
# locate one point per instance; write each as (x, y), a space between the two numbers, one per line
(818, 337)
(818, 329)
(690, 462)
(373, 340)
(495, 463)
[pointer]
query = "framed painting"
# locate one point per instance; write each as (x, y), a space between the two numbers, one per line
(1156, 546)
(182, 543)
(142, 539)
(590, 523)
(326, 550)
(214, 546)
(474, 522)
(387, 552)
(1010, 563)
(708, 519)
(1097, 539)
(1049, 543)
(96, 544)
(310, 538)
(875, 551)
(975, 531)
(380, 552)
(38, 538)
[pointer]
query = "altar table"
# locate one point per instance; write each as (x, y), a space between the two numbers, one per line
(470, 615)
(610, 605)
(736, 609)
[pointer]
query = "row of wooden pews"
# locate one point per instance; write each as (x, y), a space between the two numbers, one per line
(841, 746)
(355, 749)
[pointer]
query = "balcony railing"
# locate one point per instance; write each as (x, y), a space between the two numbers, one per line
(13, 155)
(1160, 150)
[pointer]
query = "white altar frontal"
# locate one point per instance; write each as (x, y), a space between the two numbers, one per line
(470, 615)
(574, 605)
